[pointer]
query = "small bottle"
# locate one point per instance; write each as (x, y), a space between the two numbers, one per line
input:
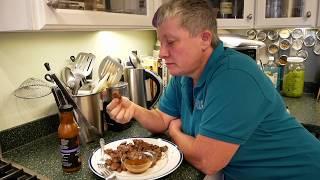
(68, 133)
(271, 70)
(225, 8)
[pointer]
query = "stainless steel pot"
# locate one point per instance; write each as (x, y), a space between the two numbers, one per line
(91, 106)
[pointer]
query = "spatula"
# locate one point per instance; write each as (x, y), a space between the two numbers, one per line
(110, 72)
(84, 63)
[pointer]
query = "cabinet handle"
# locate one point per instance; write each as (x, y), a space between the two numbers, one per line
(249, 17)
(308, 14)
(53, 3)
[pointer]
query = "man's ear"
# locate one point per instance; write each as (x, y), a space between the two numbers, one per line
(206, 39)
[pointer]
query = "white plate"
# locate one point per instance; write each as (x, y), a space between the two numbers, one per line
(169, 162)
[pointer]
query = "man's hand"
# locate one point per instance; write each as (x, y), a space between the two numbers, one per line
(121, 110)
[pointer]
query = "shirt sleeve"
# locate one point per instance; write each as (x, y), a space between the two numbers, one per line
(234, 107)
(169, 102)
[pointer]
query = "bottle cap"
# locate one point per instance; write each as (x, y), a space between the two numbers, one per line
(66, 108)
(295, 59)
(271, 58)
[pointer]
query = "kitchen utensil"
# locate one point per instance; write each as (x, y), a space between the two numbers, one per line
(137, 86)
(284, 33)
(273, 35)
(111, 71)
(303, 53)
(103, 63)
(135, 60)
(84, 63)
(273, 49)
(33, 88)
(87, 131)
(297, 44)
(284, 44)
(68, 77)
(309, 41)
(91, 106)
(297, 33)
(251, 34)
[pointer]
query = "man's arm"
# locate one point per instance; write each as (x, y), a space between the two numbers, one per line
(123, 110)
(206, 154)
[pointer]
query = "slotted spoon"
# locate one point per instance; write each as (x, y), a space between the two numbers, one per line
(110, 72)
(84, 63)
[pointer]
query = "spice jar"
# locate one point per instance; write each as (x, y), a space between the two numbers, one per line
(293, 79)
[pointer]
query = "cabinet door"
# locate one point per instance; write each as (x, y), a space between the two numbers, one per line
(234, 14)
(286, 13)
(38, 15)
(318, 17)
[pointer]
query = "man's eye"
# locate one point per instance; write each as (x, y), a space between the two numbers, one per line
(170, 42)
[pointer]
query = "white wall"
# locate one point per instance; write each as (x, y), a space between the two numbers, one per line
(22, 56)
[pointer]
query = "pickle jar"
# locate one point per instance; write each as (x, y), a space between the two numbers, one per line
(293, 79)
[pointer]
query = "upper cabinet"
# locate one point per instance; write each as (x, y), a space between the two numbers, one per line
(234, 14)
(318, 17)
(286, 13)
(26, 15)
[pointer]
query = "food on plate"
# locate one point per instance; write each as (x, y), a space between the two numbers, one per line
(139, 152)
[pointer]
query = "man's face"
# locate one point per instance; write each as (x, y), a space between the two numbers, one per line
(181, 51)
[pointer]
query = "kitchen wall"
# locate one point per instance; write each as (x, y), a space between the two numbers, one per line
(22, 56)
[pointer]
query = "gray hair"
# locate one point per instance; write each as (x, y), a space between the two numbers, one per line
(195, 16)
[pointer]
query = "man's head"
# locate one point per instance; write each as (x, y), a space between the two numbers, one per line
(195, 16)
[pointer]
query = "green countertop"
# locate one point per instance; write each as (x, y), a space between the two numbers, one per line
(306, 109)
(43, 157)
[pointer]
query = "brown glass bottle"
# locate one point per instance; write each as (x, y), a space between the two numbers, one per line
(68, 133)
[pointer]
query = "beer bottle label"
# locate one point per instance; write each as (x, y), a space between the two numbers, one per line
(70, 152)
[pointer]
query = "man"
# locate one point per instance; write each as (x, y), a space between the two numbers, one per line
(219, 108)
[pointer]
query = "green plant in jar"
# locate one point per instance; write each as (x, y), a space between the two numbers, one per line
(293, 80)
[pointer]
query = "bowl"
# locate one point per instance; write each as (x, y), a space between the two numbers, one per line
(138, 162)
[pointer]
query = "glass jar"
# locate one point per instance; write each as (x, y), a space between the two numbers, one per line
(293, 79)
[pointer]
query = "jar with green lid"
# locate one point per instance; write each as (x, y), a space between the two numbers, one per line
(293, 79)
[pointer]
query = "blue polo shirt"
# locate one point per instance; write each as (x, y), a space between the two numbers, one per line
(234, 101)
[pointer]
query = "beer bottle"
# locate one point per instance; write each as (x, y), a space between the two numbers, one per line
(68, 133)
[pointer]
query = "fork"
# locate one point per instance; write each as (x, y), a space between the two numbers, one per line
(107, 174)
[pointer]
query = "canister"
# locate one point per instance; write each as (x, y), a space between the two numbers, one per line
(293, 79)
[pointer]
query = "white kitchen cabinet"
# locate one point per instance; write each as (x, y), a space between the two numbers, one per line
(318, 16)
(244, 21)
(285, 13)
(29, 15)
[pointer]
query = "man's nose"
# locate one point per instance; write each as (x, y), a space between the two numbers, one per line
(163, 52)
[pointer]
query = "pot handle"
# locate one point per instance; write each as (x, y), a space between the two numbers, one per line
(157, 79)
